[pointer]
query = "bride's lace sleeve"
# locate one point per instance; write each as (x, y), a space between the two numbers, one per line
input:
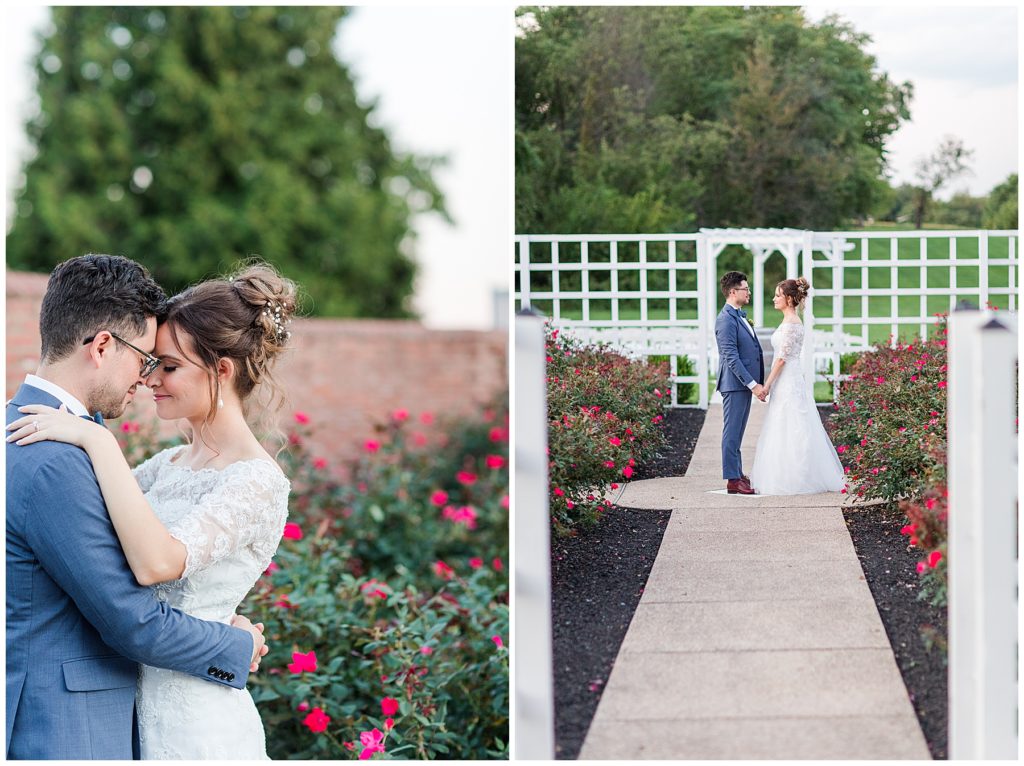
(791, 341)
(145, 473)
(247, 509)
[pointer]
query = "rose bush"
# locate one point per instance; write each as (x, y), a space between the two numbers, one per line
(386, 605)
(889, 428)
(603, 416)
(890, 421)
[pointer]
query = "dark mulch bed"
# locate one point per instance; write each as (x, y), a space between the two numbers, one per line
(891, 571)
(910, 624)
(681, 428)
(597, 578)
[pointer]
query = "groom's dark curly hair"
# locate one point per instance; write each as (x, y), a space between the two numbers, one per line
(91, 293)
(732, 280)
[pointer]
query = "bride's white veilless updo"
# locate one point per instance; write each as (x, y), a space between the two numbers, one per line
(795, 290)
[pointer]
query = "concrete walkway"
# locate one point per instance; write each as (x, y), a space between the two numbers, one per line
(756, 636)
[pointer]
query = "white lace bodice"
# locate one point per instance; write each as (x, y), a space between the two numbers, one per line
(230, 522)
(788, 341)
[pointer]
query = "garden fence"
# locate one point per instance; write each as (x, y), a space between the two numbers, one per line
(982, 535)
(534, 698)
(657, 295)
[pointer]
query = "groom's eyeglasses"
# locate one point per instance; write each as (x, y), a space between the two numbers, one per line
(149, 362)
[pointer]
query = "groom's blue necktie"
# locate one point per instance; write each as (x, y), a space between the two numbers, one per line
(98, 418)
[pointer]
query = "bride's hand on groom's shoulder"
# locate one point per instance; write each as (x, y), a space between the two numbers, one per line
(45, 423)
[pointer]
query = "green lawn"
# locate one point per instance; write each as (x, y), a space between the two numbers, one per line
(822, 392)
(967, 281)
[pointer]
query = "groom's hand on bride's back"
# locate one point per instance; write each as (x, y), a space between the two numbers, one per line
(260, 647)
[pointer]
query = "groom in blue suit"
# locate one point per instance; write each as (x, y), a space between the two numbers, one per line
(77, 621)
(740, 374)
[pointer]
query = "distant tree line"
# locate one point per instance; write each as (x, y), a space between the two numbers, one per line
(644, 119)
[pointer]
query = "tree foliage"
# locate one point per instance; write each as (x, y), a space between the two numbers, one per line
(190, 137)
(1001, 206)
(672, 118)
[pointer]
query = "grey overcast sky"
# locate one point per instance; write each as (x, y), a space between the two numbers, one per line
(442, 79)
(963, 62)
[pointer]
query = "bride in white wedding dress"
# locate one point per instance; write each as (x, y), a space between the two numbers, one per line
(794, 455)
(198, 522)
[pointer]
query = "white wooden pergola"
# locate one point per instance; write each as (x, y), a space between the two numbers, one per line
(762, 243)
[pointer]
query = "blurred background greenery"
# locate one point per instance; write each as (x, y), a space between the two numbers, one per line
(190, 137)
(669, 119)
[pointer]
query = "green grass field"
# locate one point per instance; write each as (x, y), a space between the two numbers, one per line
(822, 392)
(937, 249)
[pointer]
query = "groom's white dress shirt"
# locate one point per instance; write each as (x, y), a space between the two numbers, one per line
(54, 390)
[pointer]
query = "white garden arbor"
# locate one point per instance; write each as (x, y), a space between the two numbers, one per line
(763, 243)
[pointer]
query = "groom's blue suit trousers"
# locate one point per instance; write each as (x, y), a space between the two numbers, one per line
(735, 411)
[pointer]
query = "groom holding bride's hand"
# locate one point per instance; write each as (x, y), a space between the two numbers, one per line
(740, 372)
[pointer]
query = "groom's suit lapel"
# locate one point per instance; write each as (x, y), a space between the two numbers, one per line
(739, 319)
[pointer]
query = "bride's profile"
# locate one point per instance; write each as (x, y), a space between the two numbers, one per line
(200, 521)
(794, 455)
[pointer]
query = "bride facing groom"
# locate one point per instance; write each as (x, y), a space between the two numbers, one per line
(794, 455)
(98, 664)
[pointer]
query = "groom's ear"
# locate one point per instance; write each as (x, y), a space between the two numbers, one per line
(100, 347)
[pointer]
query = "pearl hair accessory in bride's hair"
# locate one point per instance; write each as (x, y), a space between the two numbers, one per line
(274, 311)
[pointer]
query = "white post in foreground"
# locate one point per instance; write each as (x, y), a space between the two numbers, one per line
(534, 670)
(982, 536)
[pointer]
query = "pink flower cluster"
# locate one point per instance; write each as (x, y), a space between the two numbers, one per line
(302, 663)
(464, 515)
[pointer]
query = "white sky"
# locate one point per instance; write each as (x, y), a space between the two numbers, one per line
(963, 62)
(442, 77)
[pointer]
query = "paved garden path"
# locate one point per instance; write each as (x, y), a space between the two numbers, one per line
(756, 636)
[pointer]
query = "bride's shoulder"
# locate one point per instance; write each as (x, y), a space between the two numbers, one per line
(259, 462)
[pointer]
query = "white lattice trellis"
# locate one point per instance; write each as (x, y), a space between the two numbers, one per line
(658, 293)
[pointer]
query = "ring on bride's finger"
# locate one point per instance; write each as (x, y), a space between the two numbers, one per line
(35, 425)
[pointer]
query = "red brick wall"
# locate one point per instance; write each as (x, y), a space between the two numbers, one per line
(346, 374)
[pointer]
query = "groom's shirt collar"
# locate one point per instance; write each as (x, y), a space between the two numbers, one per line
(56, 391)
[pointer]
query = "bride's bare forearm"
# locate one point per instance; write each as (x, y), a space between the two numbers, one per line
(153, 555)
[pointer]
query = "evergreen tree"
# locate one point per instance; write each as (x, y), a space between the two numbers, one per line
(188, 138)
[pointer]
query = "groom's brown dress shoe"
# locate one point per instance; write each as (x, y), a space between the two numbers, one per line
(739, 487)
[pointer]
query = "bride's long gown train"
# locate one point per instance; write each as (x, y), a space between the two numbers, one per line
(794, 455)
(231, 522)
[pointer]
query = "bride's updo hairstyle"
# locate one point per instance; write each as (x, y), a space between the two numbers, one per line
(244, 317)
(795, 290)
